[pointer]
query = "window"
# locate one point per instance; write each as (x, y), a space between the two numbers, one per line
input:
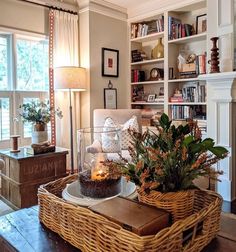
(23, 77)
(4, 61)
(32, 65)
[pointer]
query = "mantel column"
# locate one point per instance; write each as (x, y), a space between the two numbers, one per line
(221, 126)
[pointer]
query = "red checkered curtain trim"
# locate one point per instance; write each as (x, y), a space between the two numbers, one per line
(51, 78)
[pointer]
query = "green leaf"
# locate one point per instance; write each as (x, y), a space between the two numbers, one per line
(208, 143)
(218, 151)
(188, 140)
(195, 148)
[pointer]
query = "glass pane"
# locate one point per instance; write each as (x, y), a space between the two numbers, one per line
(3, 64)
(28, 126)
(4, 119)
(32, 65)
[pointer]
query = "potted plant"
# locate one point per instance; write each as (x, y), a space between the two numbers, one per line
(164, 165)
(38, 113)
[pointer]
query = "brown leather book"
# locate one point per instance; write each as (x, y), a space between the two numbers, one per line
(136, 217)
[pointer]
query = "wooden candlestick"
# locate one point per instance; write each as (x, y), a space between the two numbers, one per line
(214, 61)
(15, 143)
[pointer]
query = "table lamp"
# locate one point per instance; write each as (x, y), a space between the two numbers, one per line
(70, 78)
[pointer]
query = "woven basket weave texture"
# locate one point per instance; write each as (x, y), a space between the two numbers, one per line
(91, 232)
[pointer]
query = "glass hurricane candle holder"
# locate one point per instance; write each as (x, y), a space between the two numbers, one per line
(96, 145)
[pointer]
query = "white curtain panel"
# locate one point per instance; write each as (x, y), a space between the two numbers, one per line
(66, 45)
(66, 53)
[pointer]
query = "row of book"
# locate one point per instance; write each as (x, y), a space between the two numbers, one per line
(137, 75)
(180, 112)
(191, 92)
(146, 28)
(201, 64)
(178, 30)
(194, 93)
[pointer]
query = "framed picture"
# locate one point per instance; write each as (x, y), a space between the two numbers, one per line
(151, 98)
(201, 23)
(110, 98)
(110, 62)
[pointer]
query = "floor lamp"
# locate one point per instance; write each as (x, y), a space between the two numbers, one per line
(70, 78)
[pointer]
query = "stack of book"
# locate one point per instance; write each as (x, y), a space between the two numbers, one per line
(137, 75)
(177, 97)
(136, 56)
(178, 30)
(202, 124)
(146, 28)
(194, 69)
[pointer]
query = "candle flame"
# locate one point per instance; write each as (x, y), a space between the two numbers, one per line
(99, 171)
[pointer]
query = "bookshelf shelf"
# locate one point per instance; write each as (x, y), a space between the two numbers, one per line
(150, 37)
(193, 38)
(147, 82)
(187, 103)
(183, 80)
(147, 62)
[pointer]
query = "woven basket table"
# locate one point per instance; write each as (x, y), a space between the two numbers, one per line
(89, 231)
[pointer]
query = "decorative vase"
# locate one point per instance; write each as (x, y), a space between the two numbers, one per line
(39, 133)
(178, 204)
(158, 50)
(214, 61)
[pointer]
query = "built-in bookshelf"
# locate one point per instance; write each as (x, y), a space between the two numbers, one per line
(177, 89)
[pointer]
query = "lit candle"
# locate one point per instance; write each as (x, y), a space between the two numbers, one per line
(99, 171)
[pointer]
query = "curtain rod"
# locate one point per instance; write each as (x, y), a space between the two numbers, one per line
(49, 7)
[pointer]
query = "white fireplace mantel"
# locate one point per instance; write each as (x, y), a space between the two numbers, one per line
(221, 126)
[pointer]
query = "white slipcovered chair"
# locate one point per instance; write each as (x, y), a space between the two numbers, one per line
(119, 116)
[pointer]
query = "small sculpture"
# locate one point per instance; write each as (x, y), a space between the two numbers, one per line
(214, 61)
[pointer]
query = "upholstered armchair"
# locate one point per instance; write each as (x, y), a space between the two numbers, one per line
(119, 117)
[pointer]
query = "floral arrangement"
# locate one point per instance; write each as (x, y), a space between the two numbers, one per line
(170, 160)
(38, 112)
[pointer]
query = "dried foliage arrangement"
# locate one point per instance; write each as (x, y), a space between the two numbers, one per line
(170, 160)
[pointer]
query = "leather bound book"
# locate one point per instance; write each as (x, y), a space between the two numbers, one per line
(136, 217)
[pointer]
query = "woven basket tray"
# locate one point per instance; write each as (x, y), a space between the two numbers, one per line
(179, 204)
(89, 231)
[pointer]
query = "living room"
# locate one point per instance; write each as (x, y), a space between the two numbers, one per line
(78, 78)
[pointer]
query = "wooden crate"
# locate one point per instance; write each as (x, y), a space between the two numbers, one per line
(23, 195)
(23, 174)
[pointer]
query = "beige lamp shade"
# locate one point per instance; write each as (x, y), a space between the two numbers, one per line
(70, 77)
